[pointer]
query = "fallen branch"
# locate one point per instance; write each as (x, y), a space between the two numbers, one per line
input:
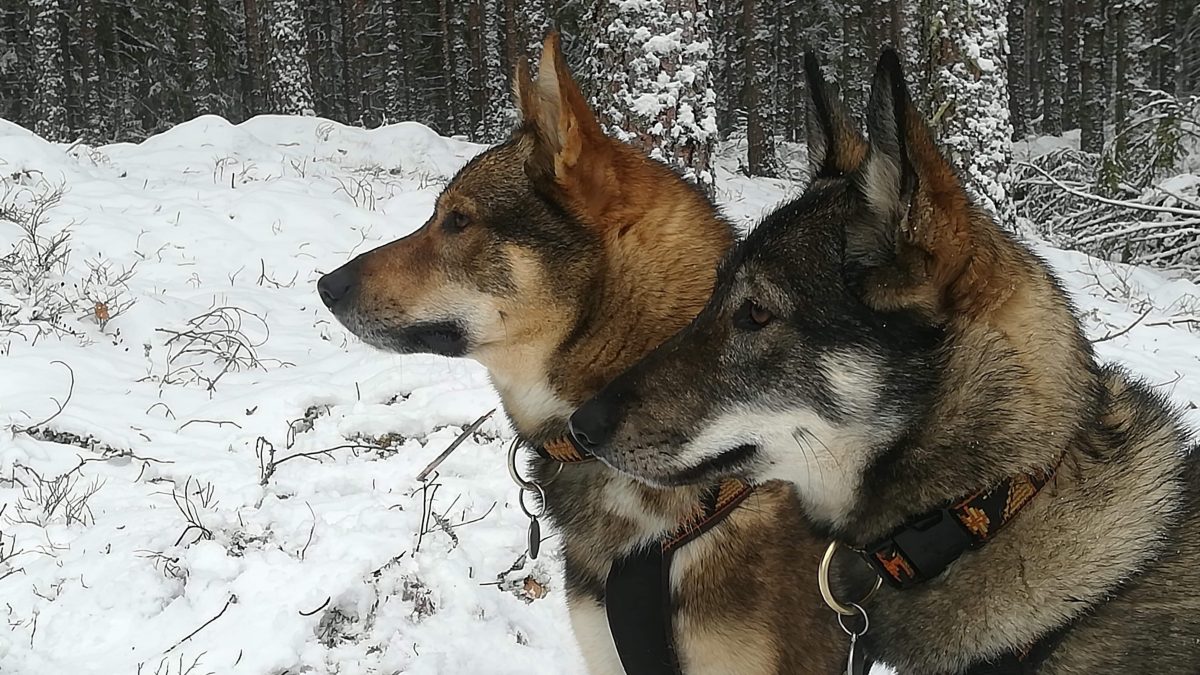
(232, 599)
(1124, 330)
(467, 431)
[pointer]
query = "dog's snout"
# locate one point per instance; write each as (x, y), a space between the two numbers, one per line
(338, 285)
(593, 424)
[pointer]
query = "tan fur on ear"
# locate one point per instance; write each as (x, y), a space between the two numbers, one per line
(963, 266)
(570, 142)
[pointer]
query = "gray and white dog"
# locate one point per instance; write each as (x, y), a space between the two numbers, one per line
(884, 346)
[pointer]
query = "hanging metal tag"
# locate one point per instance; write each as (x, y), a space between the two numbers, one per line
(535, 538)
(856, 660)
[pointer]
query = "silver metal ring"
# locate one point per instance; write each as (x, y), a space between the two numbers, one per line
(516, 475)
(512, 468)
(541, 501)
(866, 620)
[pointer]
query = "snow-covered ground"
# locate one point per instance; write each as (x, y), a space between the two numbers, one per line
(229, 486)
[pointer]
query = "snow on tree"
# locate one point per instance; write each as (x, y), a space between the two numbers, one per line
(652, 63)
(50, 83)
(291, 86)
(969, 95)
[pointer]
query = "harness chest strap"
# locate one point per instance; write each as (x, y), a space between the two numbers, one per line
(637, 592)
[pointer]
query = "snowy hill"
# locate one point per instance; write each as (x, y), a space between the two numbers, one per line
(229, 486)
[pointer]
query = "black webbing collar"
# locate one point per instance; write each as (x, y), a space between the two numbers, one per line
(923, 548)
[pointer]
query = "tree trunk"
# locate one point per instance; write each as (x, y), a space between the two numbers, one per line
(291, 90)
(1092, 97)
(200, 57)
(50, 83)
(91, 119)
(255, 58)
(1052, 73)
(1018, 87)
(1070, 56)
(760, 140)
(970, 97)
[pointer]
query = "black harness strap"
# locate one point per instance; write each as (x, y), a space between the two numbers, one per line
(637, 595)
(637, 599)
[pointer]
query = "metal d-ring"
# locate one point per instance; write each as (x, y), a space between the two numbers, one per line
(515, 474)
(827, 593)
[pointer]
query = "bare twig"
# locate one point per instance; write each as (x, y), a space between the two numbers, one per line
(61, 406)
(1126, 329)
(467, 431)
(232, 599)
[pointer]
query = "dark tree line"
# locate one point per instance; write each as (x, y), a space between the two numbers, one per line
(123, 69)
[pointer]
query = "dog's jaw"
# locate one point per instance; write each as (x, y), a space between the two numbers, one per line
(822, 459)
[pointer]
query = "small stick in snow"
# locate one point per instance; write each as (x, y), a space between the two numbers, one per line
(232, 599)
(323, 606)
(1124, 330)
(61, 406)
(467, 431)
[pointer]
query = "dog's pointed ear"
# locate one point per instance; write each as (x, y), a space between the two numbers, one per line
(835, 145)
(888, 178)
(916, 241)
(565, 120)
(570, 151)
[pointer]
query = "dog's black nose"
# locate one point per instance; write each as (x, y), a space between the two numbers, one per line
(338, 284)
(592, 425)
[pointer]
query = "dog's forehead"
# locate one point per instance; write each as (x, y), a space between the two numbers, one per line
(491, 174)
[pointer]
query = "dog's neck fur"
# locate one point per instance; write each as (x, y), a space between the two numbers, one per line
(944, 453)
(656, 273)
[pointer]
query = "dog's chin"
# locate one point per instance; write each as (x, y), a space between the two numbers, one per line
(737, 462)
(443, 338)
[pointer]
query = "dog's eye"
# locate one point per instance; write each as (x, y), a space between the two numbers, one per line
(752, 316)
(455, 221)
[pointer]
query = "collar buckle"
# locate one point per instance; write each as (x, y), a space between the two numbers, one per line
(920, 550)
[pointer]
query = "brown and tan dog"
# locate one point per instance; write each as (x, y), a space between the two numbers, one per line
(557, 259)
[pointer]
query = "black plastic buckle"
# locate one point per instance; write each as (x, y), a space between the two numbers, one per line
(928, 545)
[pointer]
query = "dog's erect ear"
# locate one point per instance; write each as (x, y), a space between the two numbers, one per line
(919, 238)
(888, 177)
(570, 152)
(835, 145)
(565, 122)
